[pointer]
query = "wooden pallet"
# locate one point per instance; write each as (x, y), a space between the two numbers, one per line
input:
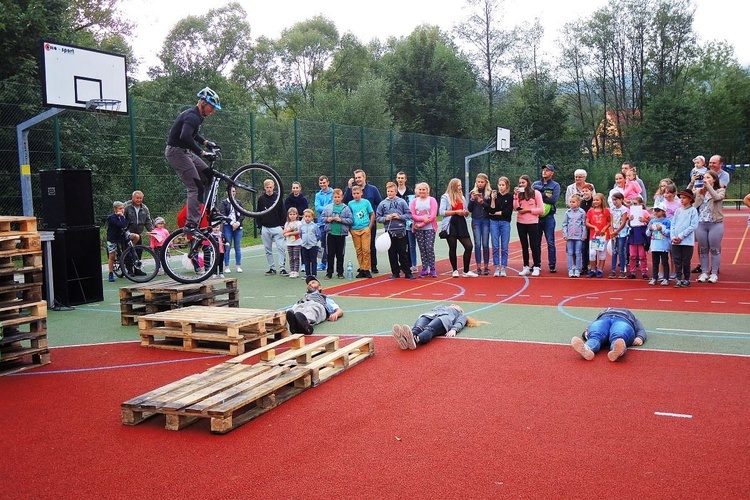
(23, 335)
(164, 295)
(18, 223)
(211, 329)
(233, 393)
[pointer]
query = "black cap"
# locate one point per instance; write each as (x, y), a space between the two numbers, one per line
(550, 166)
(310, 278)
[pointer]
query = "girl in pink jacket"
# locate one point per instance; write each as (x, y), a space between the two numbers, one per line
(527, 202)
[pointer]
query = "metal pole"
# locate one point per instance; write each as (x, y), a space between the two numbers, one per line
(133, 157)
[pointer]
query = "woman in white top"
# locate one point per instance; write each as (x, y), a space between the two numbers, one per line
(575, 188)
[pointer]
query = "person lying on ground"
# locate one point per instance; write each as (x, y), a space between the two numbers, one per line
(313, 308)
(615, 326)
(441, 320)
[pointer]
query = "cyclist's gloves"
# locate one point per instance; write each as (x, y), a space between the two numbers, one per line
(212, 145)
(208, 155)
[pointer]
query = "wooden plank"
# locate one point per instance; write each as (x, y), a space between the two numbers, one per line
(268, 352)
(331, 364)
(18, 223)
(305, 354)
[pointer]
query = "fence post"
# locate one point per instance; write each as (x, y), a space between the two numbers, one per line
(333, 153)
(362, 146)
(58, 156)
(133, 157)
(252, 137)
(296, 148)
(391, 153)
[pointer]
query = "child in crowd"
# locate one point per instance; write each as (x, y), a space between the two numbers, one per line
(632, 187)
(574, 233)
(117, 234)
(658, 231)
(309, 236)
(337, 218)
(682, 231)
(364, 218)
(699, 169)
(587, 193)
(671, 202)
(293, 241)
(637, 239)
(659, 194)
(619, 232)
(424, 210)
(218, 233)
(500, 208)
(393, 212)
(158, 236)
(598, 220)
(480, 222)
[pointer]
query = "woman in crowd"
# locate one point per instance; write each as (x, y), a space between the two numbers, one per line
(709, 201)
(480, 222)
(454, 212)
(619, 188)
(528, 204)
(500, 208)
(424, 210)
(577, 187)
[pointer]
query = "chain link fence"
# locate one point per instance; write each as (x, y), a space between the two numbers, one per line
(127, 153)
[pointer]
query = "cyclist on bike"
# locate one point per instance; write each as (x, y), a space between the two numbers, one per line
(117, 234)
(186, 156)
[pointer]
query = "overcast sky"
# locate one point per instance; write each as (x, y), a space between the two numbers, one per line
(714, 19)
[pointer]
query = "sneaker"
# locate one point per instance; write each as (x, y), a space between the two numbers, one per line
(374, 270)
(536, 271)
(623, 275)
(424, 273)
(368, 274)
(400, 338)
(330, 276)
(599, 274)
(433, 273)
(227, 270)
(470, 274)
(283, 272)
(576, 273)
(685, 283)
(702, 278)
(553, 269)
(644, 276)
(410, 276)
(271, 272)
(697, 269)
(111, 278)
(612, 275)
(713, 278)
(414, 269)
(652, 281)
(664, 282)
(239, 269)
(221, 275)
(138, 272)
(497, 273)
(304, 324)
(455, 274)
(581, 348)
(525, 271)
(502, 272)
(291, 322)
(486, 271)
(321, 267)
(411, 341)
(360, 274)
(571, 273)
(340, 276)
(678, 284)
(591, 274)
(200, 271)
(673, 276)
(632, 276)
(618, 349)
(191, 230)
(294, 274)
(394, 276)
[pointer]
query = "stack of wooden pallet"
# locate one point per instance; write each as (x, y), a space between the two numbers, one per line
(23, 313)
(164, 295)
(233, 393)
(216, 330)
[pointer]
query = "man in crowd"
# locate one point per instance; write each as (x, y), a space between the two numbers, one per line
(313, 308)
(371, 194)
(550, 190)
(323, 198)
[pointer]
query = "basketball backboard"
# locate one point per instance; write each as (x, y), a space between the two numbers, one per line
(72, 76)
(503, 139)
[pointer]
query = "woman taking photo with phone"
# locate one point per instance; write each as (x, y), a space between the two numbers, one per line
(527, 202)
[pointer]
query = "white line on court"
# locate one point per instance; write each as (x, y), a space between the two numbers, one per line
(667, 414)
(701, 331)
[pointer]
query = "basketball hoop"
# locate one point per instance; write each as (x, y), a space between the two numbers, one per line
(103, 109)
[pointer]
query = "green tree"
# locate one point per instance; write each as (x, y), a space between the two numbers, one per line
(432, 88)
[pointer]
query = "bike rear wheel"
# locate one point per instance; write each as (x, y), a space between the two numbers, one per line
(248, 183)
(139, 263)
(190, 260)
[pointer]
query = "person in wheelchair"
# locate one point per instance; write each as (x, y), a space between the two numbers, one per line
(117, 234)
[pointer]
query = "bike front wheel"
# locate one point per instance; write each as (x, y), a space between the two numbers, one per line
(190, 260)
(248, 183)
(139, 263)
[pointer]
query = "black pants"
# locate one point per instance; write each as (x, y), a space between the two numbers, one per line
(335, 245)
(398, 256)
(373, 250)
(529, 236)
(660, 258)
(453, 246)
(682, 255)
(310, 260)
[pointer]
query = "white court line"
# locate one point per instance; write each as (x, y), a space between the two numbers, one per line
(667, 414)
(701, 331)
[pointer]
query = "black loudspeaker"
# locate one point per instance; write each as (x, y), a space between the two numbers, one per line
(67, 198)
(77, 266)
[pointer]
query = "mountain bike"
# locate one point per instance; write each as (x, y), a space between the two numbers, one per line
(193, 257)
